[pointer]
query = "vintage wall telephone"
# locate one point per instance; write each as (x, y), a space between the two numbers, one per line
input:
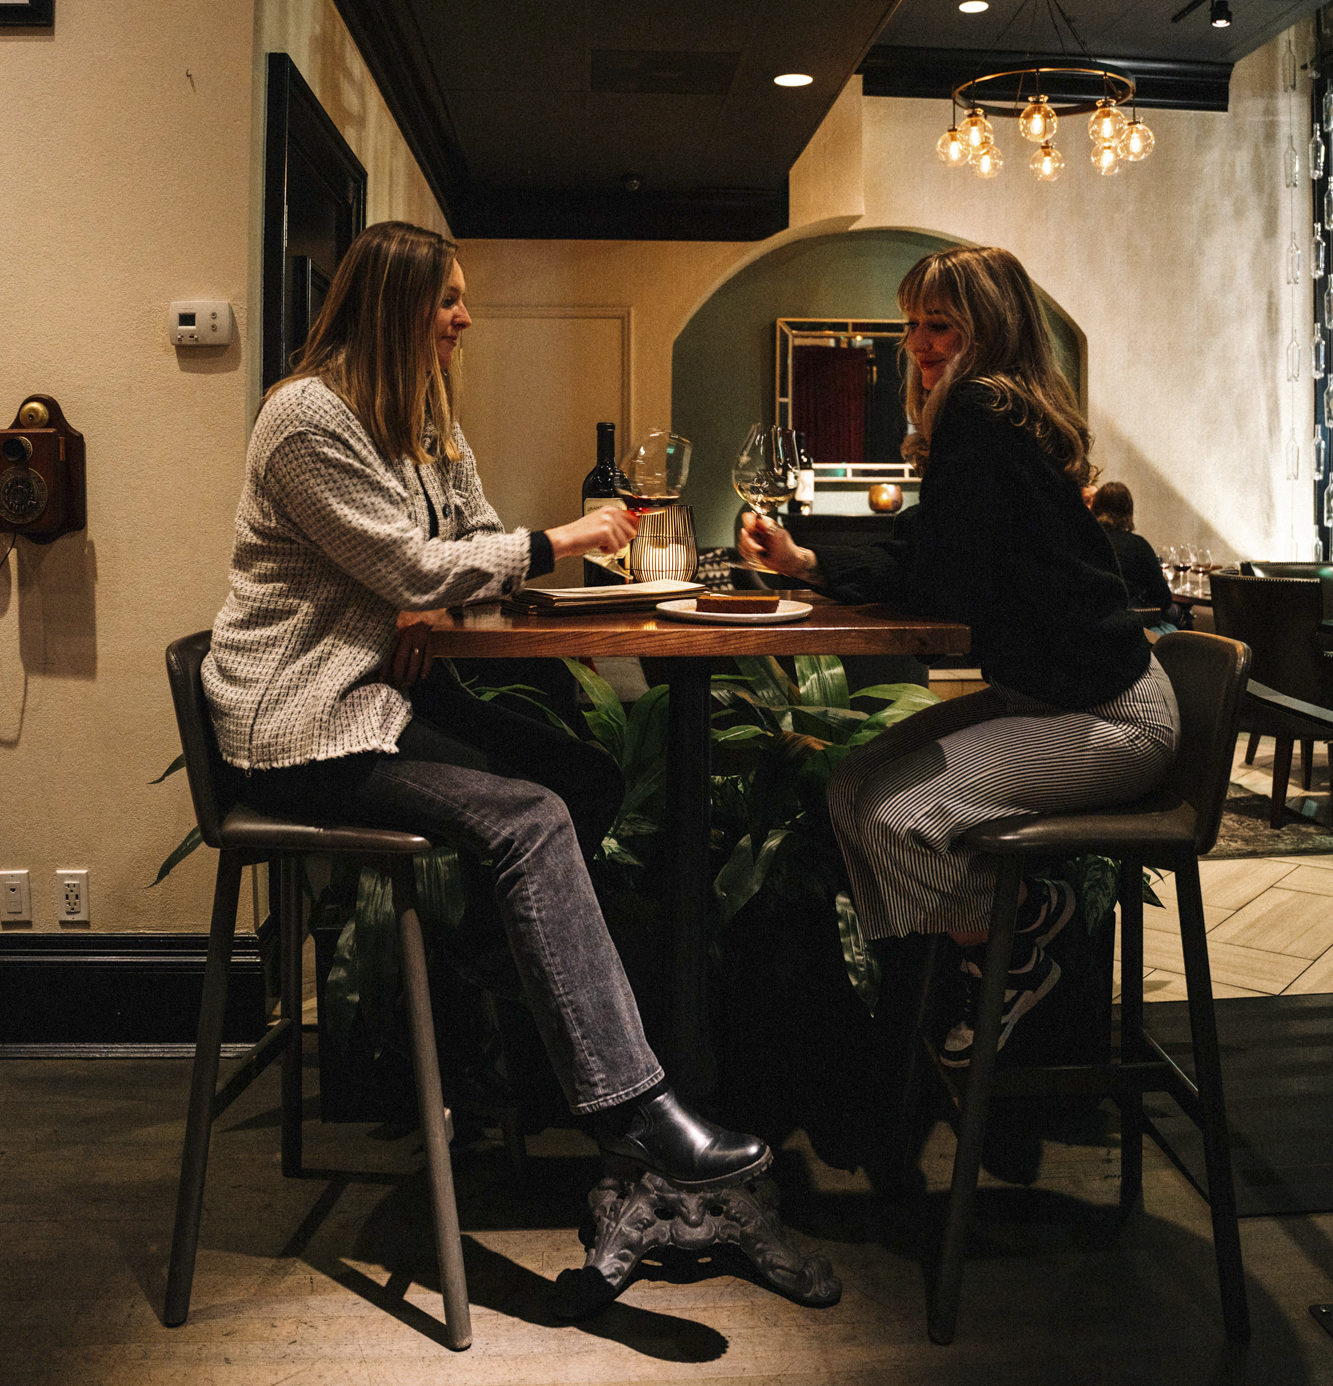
(43, 492)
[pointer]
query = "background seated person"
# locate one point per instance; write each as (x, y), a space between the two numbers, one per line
(1113, 506)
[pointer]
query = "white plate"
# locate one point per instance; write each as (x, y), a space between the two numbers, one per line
(683, 610)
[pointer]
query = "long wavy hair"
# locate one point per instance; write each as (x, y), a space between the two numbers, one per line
(373, 343)
(985, 293)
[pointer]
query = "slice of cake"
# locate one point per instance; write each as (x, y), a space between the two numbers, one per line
(734, 603)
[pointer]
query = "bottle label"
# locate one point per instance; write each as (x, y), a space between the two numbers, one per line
(592, 503)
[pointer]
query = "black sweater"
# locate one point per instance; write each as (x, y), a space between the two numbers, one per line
(1140, 569)
(1003, 542)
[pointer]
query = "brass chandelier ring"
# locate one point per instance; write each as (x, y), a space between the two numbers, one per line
(1116, 86)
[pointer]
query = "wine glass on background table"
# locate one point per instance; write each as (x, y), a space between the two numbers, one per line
(1200, 568)
(652, 475)
(765, 473)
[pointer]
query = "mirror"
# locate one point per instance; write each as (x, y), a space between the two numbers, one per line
(838, 383)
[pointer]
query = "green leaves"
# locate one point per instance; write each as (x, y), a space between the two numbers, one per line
(741, 878)
(177, 764)
(606, 717)
(187, 844)
(822, 681)
(862, 964)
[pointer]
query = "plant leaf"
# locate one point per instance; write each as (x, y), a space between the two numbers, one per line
(177, 764)
(521, 690)
(862, 964)
(768, 681)
(376, 937)
(1149, 894)
(646, 732)
(891, 692)
(187, 844)
(823, 681)
(746, 731)
(740, 879)
(441, 888)
(829, 723)
(606, 717)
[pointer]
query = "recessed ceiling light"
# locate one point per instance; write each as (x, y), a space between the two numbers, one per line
(974, 6)
(793, 79)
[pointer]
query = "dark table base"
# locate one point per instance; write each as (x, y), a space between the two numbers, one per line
(634, 1213)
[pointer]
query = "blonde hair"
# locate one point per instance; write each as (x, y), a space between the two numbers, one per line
(986, 295)
(373, 343)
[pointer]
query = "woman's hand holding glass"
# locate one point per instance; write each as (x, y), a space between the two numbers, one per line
(763, 543)
(606, 530)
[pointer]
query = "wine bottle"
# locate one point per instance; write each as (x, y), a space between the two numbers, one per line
(599, 489)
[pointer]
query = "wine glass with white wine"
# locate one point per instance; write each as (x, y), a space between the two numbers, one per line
(765, 472)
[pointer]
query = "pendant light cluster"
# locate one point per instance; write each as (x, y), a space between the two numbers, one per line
(970, 143)
(1116, 139)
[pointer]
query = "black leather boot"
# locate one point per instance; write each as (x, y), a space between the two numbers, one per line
(660, 1133)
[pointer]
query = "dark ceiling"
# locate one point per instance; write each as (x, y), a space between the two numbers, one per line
(659, 119)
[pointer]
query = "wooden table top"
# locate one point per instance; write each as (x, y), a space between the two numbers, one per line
(481, 631)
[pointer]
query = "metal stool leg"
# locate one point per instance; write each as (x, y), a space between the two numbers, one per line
(943, 1314)
(434, 1119)
(290, 938)
(1131, 1028)
(203, 1084)
(1208, 1077)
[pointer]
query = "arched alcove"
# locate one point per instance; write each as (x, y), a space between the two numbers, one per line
(722, 360)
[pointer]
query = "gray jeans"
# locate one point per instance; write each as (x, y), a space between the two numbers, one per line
(533, 801)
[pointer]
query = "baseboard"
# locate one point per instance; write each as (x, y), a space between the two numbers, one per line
(92, 995)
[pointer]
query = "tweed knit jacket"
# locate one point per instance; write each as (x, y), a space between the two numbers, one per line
(332, 542)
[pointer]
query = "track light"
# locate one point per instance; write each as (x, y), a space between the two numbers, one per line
(1220, 17)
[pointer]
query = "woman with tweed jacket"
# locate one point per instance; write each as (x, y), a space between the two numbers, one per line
(361, 501)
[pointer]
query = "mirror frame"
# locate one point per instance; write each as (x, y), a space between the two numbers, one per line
(794, 332)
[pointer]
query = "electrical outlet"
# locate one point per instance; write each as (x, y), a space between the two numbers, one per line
(15, 898)
(71, 896)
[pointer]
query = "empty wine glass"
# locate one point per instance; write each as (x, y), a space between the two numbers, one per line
(653, 474)
(1201, 567)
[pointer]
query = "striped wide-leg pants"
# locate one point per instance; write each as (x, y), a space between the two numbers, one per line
(900, 802)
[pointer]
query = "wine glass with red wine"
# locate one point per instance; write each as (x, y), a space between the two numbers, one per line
(652, 475)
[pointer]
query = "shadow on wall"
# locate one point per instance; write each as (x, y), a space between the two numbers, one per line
(1155, 496)
(48, 620)
(722, 363)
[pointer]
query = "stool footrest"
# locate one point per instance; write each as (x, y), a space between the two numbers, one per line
(252, 1064)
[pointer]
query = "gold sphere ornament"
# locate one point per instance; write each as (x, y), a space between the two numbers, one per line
(987, 161)
(1107, 123)
(951, 148)
(885, 499)
(1106, 160)
(976, 130)
(1037, 123)
(1137, 142)
(1047, 163)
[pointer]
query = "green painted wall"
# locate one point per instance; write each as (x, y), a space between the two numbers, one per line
(722, 361)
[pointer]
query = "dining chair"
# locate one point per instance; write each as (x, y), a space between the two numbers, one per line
(244, 837)
(1282, 620)
(1170, 829)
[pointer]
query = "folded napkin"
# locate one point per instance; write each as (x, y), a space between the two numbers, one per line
(620, 596)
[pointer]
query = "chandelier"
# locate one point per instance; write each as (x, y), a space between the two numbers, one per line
(1019, 93)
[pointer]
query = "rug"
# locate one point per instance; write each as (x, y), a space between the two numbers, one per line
(1245, 831)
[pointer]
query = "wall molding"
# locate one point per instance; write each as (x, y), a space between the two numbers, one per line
(95, 995)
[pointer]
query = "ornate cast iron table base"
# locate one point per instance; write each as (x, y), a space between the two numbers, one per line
(635, 1213)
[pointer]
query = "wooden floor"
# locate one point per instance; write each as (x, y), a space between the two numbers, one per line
(329, 1281)
(1270, 920)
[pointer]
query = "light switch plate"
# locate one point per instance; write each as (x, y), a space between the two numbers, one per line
(15, 898)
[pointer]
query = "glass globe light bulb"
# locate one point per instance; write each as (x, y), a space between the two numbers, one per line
(976, 130)
(1137, 142)
(1106, 160)
(1046, 163)
(1319, 455)
(987, 161)
(951, 148)
(1107, 124)
(1037, 123)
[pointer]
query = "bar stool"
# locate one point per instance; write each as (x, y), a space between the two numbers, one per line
(243, 838)
(1170, 828)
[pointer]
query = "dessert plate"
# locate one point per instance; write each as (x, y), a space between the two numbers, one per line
(683, 610)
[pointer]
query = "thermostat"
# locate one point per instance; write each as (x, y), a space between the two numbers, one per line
(199, 322)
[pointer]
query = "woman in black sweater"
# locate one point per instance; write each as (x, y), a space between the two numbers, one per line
(1077, 714)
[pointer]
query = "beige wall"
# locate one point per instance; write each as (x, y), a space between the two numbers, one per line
(128, 169)
(1174, 270)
